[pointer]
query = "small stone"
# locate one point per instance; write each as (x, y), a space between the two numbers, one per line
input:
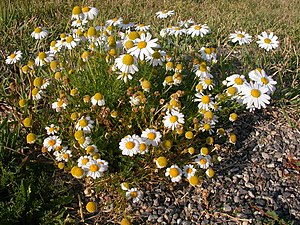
(271, 165)
(160, 219)
(227, 208)
(265, 155)
(251, 194)
(246, 177)
(249, 185)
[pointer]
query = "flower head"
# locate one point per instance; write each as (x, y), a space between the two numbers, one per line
(39, 33)
(14, 57)
(267, 41)
(174, 172)
(241, 37)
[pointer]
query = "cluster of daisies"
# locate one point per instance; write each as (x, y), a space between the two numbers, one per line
(128, 49)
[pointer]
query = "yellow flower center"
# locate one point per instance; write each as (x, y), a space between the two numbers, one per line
(78, 134)
(232, 138)
(173, 119)
(264, 80)
(255, 93)
(85, 161)
(81, 140)
(205, 99)
(51, 142)
(143, 147)
(169, 79)
(210, 172)
(189, 170)
(129, 145)
(98, 97)
(133, 194)
(208, 81)
(204, 151)
(194, 180)
(76, 10)
(231, 90)
(69, 39)
(203, 68)
(259, 70)
(51, 129)
(83, 123)
(128, 60)
(151, 136)
(94, 168)
(142, 44)
(267, 40)
(206, 127)
(35, 91)
(91, 207)
(60, 103)
(174, 172)
(238, 81)
(38, 81)
(177, 28)
(208, 115)
(12, 56)
(126, 21)
(77, 172)
(91, 31)
(156, 55)
(66, 156)
(203, 161)
(85, 9)
(240, 36)
(133, 35)
(42, 55)
(189, 135)
(162, 161)
(37, 30)
(233, 116)
(208, 51)
(129, 44)
(197, 27)
(199, 87)
(90, 149)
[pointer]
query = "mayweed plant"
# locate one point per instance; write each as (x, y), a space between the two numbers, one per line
(127, 99)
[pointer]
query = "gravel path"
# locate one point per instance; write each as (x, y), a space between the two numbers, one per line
(259, 175)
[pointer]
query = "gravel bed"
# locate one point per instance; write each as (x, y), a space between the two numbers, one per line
(257, 175)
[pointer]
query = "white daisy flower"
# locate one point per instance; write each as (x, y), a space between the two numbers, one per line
(90, 13)
(240, 36)
(83, 161)
(79, 23)
(77, 13)
(210, 118)
(91, 149)
(174, 172)
(93, 169)
(161, 162)
(203, 161)
(36, 94)
(134, 194)
(198, 30)
(39, 33)
(144, 46)
(59, 105)
(135, 100)
(98, 99)
(164, 14)
(189, 170)
(63, 155)
(125, 24)
(143, 148)
(54, 47)
(113, 22)
(127, 64)
(205, 102)
(151, 136)
(260, 76)
(84, 142)
(173, 119)
(103, 165)
(255, 96)
(202, 71)
(207, 83)
(14, 57)
(129, 145)
(85, 124)
(124, 76)
(237, 81)
(142, 27)
(268, 41)
(51, 130)
(186, 24)
(207, 127)
(177, 31)
(125, 186)
(52, 142)
(208, 54)
(70, 42)
(43, 58)
(156, 58)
